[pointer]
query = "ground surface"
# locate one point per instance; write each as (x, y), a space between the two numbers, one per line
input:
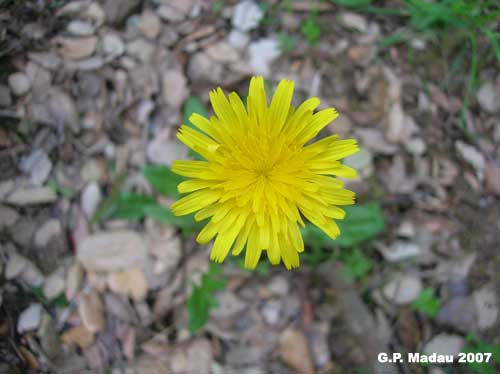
(91, 92)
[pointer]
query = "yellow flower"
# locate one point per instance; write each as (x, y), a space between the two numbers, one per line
(261, 176)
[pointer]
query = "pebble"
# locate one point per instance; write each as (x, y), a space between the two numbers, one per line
(272, 311)
(62, 109)
(222, 52)
(32, 276)
(140, 49)
(353, 21)
(77, 48)
(19, 84)
(403, 289)
(229, 307)
(400, 251)
(117, 10)
(459, 313)
(74, 280)
(111, 251)
(27, 195)
(174, 88)
(150, 24)
(90, 199)
(37, 165)
(15, 266)
(129, 282)
(238, 39)
(80, 28)
(444, 344)
(279, 286)
(30, 318)
(491, 176)
(5, 98)
(48, 231)
(8, 216)
(246, 15)
(262, 53)
(488, 97)
(486, 304)
(91, 312)
(472, 156)
(162, 150)
(53, 286)
(175, 10)
(112, 45)
(78, 335)
(294, 351)
(202, 68)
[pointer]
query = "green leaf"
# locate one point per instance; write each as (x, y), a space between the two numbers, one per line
(286, 42)
(361, 223)
(132, 206)
(426, 303)
(108, 206)
(164, 215)
(311, 30)
(356, 264)
(352, 3)
(163, 180)
(202, 298)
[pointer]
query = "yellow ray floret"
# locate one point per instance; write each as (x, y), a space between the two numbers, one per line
(261, 174)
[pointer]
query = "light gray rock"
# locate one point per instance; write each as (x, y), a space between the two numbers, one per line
(403, 289)
(247, 15)
(112, 250)
(262, 53)
(488, 97)
(80, 28)
(112, 45)
(90, 199)
(8, 216)
(444, 344)
(30, 318)
(174, 88)
(19, 84)
(31, 195)
(37, 165)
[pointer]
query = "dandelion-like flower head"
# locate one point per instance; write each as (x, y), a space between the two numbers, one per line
(260, 176)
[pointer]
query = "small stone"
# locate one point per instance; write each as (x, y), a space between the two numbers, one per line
(444, 344)
(279, 286)
(117, 10)
(262, 53)
(374, 140)
(8, 216)
(319, 344)
(222, 52)
(49, 337)
(91, 312)
(406, 230)
(202, 68)
(47, 60)
(416, 146)
(162, 150)
(150, 24)
(19, 84)
(130, 282)
(362, 161)
(229, 306)
(112, 45)
(74, 280)
(37, 165)
(401, 251)
(238, 39)
(459, 313)
(80, 28)
(472, 156)
(272, 311)
(175, 90)
(62, 109)
(30, 318)
(5, 98)
(119, 307)
(91, 198)
(353, 21)
(111, 251)
(294, 351)
(15, 266)
(53, 286)
(175, 10)
(78, 335)
(403, 289)
(485, 301)
(361, 54)
(491, 176)
(27, 195)
(77, 48)
(488, 97)
(46, 232)
(246, 15)
(140, 49)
